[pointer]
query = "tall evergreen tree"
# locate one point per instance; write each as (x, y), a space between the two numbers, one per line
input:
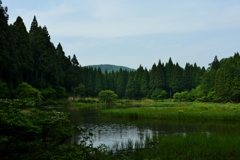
(177, 78)
(160, 78)
(215, 64)
(138, 74)
(90, 86)
(121, 82)
(4, 33)
(169, 70)
(144, 81)
(152, 75)
(187, 77)
(132, 87)
(105, 81)
(111, 81)
(22, 50)
(60, 65)
(98, 81)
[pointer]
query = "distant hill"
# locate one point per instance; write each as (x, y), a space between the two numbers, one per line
(110, 67)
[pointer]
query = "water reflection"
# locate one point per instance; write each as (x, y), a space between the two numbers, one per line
(108, 131)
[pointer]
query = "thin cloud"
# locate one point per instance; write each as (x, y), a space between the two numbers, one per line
(111, 19)
(186, 31)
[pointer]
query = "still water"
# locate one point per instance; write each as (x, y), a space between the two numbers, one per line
(108, 130)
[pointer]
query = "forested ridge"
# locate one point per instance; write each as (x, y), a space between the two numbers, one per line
(31, 57)
(110, 67)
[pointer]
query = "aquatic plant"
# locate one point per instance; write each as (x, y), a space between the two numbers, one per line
(202, 111)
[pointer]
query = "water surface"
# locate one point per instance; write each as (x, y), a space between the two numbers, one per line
(108, 130)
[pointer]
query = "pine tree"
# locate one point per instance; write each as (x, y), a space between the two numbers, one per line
(98, 81)
(160, 77)
(90, 82)
(144, 87)
(121, 82)
(169, 70)
(22, 50)
(132, 87)
(215, 64)
(4, 33)
(152, 75)
(187, 77)
(177, 79)
(60, 65)
(105, 81)
(138, 75)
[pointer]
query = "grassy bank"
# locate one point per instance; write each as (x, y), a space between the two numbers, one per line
(177, 110)
(191, 146)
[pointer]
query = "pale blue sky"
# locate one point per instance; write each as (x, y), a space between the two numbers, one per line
(134, 32)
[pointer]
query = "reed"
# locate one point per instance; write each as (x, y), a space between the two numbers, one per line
(191, 146)
(202, 111)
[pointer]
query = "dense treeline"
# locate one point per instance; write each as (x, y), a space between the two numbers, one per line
(161, 81)
(221, 82)
(31, 57)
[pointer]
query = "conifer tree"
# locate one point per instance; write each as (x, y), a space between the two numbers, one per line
(22, 50)
(121, 82)
(98, 81)
(105, 80)
(132, 87)
(169, 70)
(144, 87)
(160, 78)
(177, 78)
(152, 75)
(187, 77)
(4, 33)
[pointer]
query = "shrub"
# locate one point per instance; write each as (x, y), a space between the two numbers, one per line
(4, 91)
(159, 94)
(107, 96)
(49, 93)
(26, 92)
(60, 92)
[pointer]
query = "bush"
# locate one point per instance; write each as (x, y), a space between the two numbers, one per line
(49, 93)
(42, 135)
(60, 92)
(159, 94)
(183, 96)
(107, 96)
(26, 92)
(4, 90)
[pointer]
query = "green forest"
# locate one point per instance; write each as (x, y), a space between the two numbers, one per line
(30, 57)
(35, 72)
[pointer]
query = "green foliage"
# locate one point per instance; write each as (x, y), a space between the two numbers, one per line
(107, 96)
(121, 82)
(48, 93)
(132, 87)
(31, 57)
(179, 110)
(196, 93)
(79, 90)
(36, 134)
(60, 92)
(183, 96)
(207, 146)
(159, 94)
(4, 91)
(26, 92)
(17, 103)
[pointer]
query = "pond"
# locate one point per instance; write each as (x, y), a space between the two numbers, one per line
(108, 130)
